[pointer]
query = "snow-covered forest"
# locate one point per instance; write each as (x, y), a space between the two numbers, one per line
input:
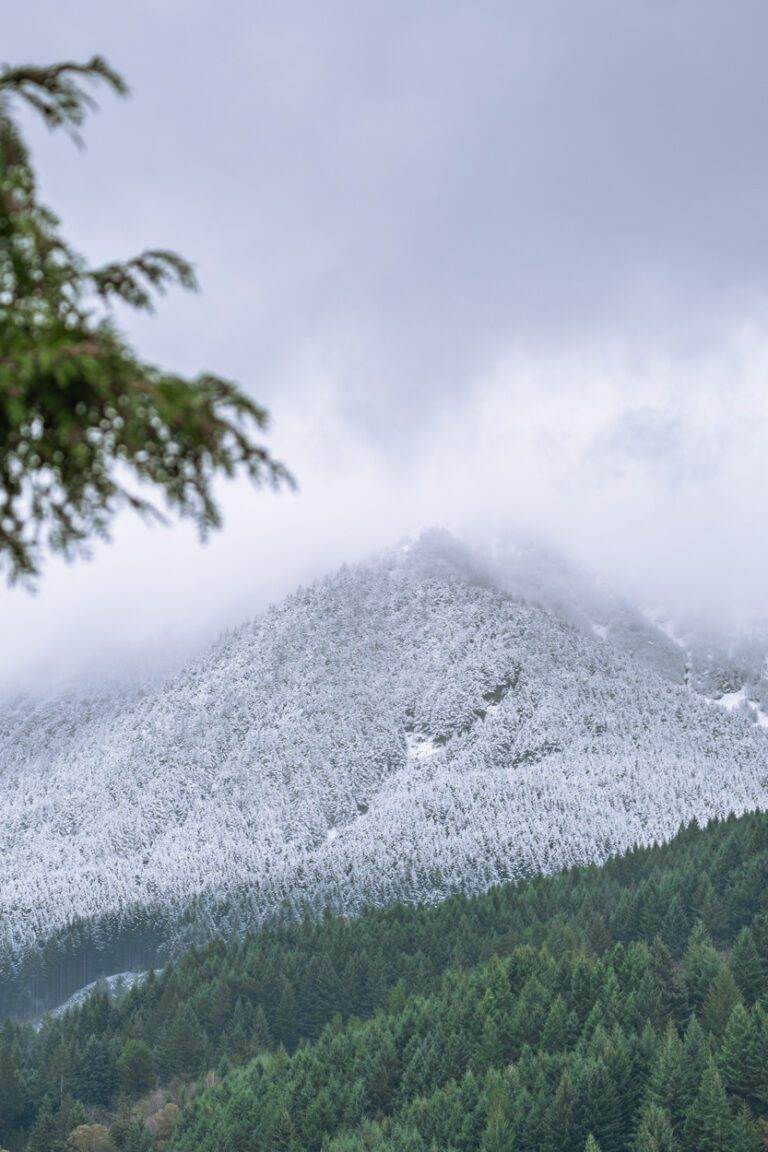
(399, 730)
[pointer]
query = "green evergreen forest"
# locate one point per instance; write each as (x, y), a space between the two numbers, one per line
(611, 1009)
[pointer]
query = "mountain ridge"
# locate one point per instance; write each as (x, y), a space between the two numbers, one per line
(400, 730)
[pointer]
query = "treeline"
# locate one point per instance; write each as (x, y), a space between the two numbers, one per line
(626, 1004)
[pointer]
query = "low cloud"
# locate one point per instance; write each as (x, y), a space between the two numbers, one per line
(495, 266)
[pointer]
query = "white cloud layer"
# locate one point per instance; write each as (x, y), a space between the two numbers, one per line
(490, 266)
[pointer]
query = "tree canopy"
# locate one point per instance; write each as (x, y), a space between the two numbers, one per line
(598, 1010)
(85, 424)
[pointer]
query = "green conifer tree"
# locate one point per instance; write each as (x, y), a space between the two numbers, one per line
(669, 1086)
(14, 1101)
(135, 1068)
(182, 1049)
(709, 1125)
(722, 998)
(744, 1133)
(560, 1027)
(94, 1078)
(655, 1131)
(559, 1123)
(670, 989)
(740, 1061)
(701, 964)
(747, 967)
(696, 1056)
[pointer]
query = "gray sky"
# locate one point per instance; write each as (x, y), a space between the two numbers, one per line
(488, 264)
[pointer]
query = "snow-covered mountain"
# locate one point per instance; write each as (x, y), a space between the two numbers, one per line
(399, 730)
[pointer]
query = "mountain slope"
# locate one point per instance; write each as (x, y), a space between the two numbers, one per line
(400, 730)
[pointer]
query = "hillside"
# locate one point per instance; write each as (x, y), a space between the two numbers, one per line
(627, 1002)
(401, 730)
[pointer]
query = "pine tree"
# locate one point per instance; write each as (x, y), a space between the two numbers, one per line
(759, 931)
(669, 1086)
(95, 1075)
(13, 1098)
(655, 1132)
(677, 924)
(45, 1135)
(286, 1019)
(696, 1056)
(744, 1134)
(709, 1125)
(597, 1109)
(645, 1051)
(747, 967)
(739, 1059)
(760, 1042)
(490, 1054)
(283, 1132)
(182, 1049)
(673, 1001)
(560, 1027)
(218, 1008)
(323, 996)
(721, 999)
(135, 1069)
(560, 1117)
(52, 1126)
(701, 965)
(497, 1136)
(129, 1135)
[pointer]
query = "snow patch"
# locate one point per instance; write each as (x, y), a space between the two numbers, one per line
(419, 747)
(112, 986)
(732, 700)
(600, 630)
(739, 699)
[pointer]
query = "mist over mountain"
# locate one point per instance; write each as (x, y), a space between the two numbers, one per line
(716, 656)
(428, 721)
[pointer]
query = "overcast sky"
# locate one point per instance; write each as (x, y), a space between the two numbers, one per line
(489, 265)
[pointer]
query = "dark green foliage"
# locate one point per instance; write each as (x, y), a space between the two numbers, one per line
(722, 998)
(78, 408)
(502, 1023)
(655, 1132)
(135, 1068)
(54, 1124)
(94, 1075)
(181, 1048)
(747, 968)
(709, 1124)
(15, 1102)
(130, 1135)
